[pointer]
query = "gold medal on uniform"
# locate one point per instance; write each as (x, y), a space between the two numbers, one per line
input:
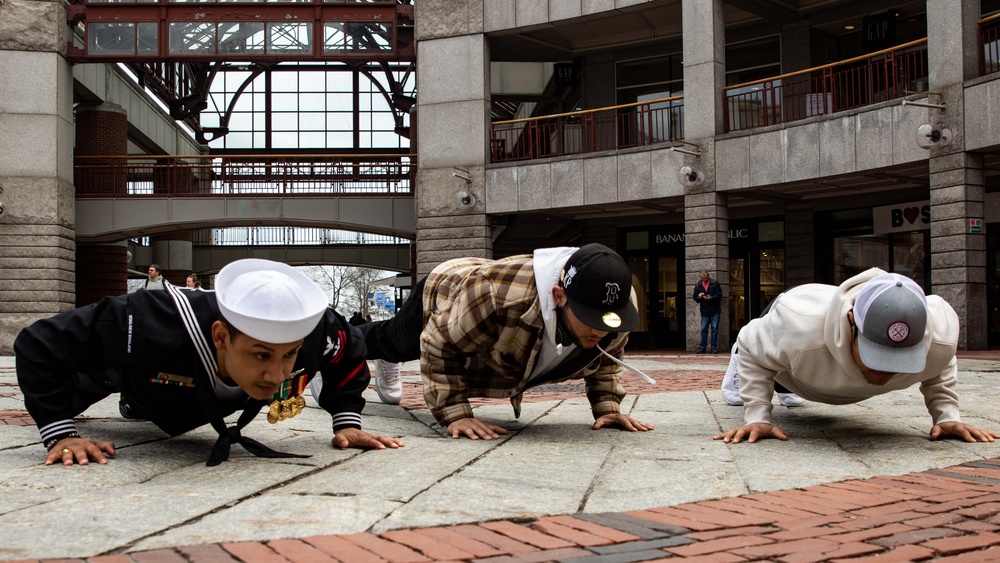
(287, 401)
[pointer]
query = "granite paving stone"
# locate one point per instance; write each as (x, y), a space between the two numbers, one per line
(854, 482)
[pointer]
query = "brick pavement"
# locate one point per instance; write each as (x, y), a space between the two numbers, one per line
(949, 515)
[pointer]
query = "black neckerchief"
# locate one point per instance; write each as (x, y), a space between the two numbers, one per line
(206, 393)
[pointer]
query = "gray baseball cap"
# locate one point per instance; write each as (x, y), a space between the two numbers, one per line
(891, 314)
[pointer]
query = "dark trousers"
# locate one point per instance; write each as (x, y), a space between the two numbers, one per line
(398, 339)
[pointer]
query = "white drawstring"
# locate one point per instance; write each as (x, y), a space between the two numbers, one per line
(559, 349)
(648, 379)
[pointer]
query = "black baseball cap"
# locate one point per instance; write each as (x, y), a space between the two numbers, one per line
(598, 286)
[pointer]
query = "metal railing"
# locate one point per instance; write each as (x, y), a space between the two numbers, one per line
(989, 45)
(241, 175)
(617, 127)
(843, 85)
(289, 236)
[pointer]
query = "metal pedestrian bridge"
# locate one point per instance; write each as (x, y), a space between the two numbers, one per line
(300, 209)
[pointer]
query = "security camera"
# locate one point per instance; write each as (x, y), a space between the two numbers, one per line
(2, 208)
(690, 176)
(465, 199)
(928, 137)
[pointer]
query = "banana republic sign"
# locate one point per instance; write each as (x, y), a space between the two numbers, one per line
(677, 236)
(903, 217)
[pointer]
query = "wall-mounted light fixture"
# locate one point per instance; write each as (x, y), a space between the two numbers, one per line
(929, 136)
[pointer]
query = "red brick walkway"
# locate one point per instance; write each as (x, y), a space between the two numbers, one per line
(945, 515)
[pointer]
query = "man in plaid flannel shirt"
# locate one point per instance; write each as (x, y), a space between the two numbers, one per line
(494, 328)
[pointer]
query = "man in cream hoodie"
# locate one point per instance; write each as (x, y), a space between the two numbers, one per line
(873, 334)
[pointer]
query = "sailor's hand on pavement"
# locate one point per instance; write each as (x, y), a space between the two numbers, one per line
(81, 451)
(475, 429)
(624, 421)
(964, 431)
(753, 432)
(358, 438)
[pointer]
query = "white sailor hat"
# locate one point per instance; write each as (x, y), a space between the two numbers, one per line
(269, 301)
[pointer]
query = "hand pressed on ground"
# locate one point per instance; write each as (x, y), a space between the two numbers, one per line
(753, 432)
(80, 451)
(358, 438)
(624, 421)
(475, 429)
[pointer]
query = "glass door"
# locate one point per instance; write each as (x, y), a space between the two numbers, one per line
(738, 307)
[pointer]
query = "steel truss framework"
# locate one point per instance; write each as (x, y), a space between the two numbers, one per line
(176, 49)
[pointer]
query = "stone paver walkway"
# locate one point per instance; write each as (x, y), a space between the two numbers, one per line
(945, 513)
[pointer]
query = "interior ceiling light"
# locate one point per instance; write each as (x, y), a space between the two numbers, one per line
(848, 27)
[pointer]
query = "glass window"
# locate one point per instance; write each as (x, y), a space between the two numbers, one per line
(639, 265)
(909, 256)
(192, 38)
(325, 98)
(637, 240)
(668, 291)
(111, 38)
(737, 294)
(855, 254)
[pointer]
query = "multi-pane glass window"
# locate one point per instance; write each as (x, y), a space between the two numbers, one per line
(310, 107)
(654, 78)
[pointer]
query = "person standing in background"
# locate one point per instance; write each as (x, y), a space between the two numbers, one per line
(708, 294)
(155, 280)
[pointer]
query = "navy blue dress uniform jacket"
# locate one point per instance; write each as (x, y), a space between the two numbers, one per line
(122, 343)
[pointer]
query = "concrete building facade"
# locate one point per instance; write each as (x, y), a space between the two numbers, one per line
(776, 205)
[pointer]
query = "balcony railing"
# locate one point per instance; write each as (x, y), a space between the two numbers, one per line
(989, 41)
(848, 84)
(289, 236)
(586, 131)
(241, 175)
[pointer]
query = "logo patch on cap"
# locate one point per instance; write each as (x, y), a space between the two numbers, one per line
(612, 319)
(568, 278)
(612, 297)
(898, 331)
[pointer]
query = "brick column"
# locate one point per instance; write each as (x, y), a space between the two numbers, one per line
(101, 130)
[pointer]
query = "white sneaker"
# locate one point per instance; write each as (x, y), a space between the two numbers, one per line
(731, 381)
(790, 400)
(315, 386)
(387, 383)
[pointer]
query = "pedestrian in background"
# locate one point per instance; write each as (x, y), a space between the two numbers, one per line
(708, 294)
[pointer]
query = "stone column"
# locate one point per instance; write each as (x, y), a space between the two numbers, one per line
(36, 166)
(706, 214)
(174, 253)
(101, 131)
(453, 134)
(958, 253)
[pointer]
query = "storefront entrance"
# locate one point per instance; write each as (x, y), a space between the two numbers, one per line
(993, 284)
(656, 258)
(756, 270)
